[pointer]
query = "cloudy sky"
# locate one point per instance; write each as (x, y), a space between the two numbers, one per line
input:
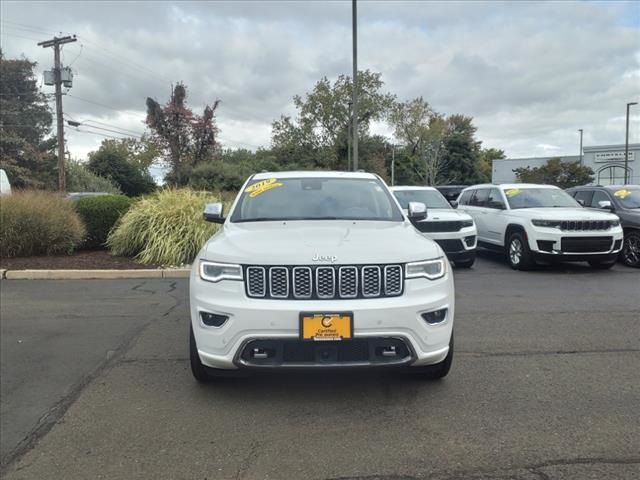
(530, 73)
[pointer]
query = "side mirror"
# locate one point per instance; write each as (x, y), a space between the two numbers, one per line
(417, 211)
(605, 205)
(213, 213)
(454, 203)
(580, 201)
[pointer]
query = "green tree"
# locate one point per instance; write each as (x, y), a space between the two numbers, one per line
(485, 163)
(184, 138)
(318, 137)
(26, 150)
(111, 161)
(462, 151)
(80, 179)
(421, 132)
(556, 172)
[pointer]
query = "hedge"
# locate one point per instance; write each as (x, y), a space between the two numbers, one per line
(99, 215)
(38, 223)
(164, 228)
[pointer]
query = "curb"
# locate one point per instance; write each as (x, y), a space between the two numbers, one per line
(93, 274)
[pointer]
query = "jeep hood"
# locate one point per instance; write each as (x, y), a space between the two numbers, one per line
(298, 242)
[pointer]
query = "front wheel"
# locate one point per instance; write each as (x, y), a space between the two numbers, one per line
(198, 370)
(518, 252)
(630, 254)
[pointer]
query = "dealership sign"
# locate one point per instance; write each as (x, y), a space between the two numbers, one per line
(612, 156)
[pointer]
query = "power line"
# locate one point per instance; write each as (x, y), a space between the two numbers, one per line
(96, 103)
(97, 133)
(114, 126)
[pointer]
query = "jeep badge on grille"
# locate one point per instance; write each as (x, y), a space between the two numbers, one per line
(324, 258)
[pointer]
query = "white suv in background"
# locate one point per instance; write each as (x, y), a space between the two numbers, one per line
(454, 231)
(542, 223)
(318, 270)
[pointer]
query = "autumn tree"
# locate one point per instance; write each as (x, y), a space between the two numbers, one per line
(184, 138)
(26, 147)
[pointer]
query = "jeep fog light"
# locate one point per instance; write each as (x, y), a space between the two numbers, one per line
(214, 272)
(437, 316)
(213, 319)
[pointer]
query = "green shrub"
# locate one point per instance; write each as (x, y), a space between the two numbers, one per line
(38, 223)
(99, 215)
(164, 228)
(81, 179)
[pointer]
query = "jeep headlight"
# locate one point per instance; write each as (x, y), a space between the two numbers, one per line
(546, 223)
(431, 269)
(467, 223)
(214, 272)
(614, 223)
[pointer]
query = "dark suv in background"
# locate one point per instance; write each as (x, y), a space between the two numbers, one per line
(450, 192)
(624, 201)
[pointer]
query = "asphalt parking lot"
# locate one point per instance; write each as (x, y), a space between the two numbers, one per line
(95, 383)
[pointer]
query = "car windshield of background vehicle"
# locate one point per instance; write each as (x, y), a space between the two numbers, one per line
(278, 199)
(431, 198)
(628, 198)
(539, 198)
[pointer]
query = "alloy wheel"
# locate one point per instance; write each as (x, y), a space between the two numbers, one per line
(631, 251)
(515, 251)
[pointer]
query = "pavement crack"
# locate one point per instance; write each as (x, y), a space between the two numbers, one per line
(138, 288)
(249, 461)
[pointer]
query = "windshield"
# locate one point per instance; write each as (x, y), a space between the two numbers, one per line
(316, 199)
(431, 198)
(628, 198)
(539, 197)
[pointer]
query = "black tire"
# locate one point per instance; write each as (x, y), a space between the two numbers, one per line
(467, 262)
(439, 370)
(630, 254)
(518, 253)
(199, 371)
(602, 264)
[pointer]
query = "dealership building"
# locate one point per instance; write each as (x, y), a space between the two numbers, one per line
(606, 161)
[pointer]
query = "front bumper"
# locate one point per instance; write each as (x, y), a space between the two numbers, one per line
(550, 244)
(459, 245)
(375, 320)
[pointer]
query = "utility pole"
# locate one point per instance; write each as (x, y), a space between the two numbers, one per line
(354, 128)
(393, 165)
(349, 139)
(56, 42)
(580, 130)
(626, 146)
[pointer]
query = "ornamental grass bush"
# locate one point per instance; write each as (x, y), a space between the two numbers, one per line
(38, 223)
(164, 228)
(99, 215)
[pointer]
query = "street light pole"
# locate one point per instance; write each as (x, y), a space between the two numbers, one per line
(580, 130)
(626, 145)
(393, 165)
(354, 127)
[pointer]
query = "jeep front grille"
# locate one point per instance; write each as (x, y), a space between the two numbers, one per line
(585, 225)
(324, 282)
(439, 226)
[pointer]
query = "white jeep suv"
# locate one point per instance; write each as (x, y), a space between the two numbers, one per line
(542, 223)
(454, 231)
(319, 269)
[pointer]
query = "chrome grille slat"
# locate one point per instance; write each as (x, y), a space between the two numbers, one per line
(279, 282)
(325, 282)
(392, 279)
(302, 282)
(371, 281)
(256, 282)
(348, 282)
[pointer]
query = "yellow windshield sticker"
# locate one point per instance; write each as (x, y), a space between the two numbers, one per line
(512, 192)
(622, 193)
(261, 187)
